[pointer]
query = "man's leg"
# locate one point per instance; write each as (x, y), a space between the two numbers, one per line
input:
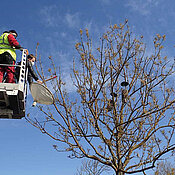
(10, 74)
(1, 73)
(2, 69)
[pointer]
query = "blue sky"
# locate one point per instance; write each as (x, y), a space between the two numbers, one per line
(55, 24)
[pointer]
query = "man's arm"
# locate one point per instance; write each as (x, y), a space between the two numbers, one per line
(13, 42)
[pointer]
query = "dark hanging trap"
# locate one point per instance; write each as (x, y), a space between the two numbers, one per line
(124, 83)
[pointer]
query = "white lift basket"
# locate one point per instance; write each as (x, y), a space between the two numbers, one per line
(13, 95)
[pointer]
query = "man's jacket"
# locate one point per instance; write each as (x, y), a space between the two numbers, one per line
(8, 44)
(31, 72)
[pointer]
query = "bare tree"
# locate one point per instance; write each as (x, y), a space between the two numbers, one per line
(92, 167)
(122, 113)
(165, 168)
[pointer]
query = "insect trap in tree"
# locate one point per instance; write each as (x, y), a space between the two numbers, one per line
(124, 83)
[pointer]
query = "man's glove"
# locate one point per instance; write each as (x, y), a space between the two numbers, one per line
(19, 47)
